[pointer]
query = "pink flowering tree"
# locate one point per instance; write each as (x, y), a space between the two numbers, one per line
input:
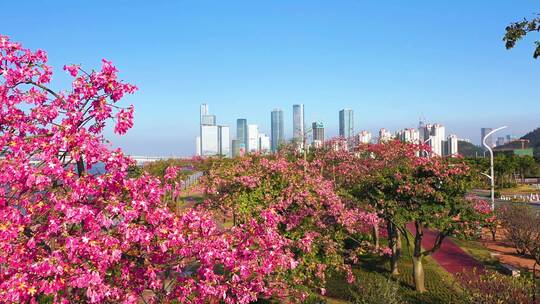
(429, 193)
(409, 193)
(68, 236)
(312, 217)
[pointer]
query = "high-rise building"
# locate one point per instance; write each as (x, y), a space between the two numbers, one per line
(424, 132)
(212, 139)
(384, 135)
(298, 124)
(421, 129)
(253, 138)
(437, 139)
(198, 146)
(452, 145)
(277, 130)
(318, 134)
(264, 143)
(242, 134)
(501, 140)
(346, 123)
(209, 140)
(224, 141)
(235, 148)
(208, 120)
(203, 110)
(510, 138)
(489, 140)
(364, 137)
(409, 135)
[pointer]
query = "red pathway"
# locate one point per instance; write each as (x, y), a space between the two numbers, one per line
(450, 256)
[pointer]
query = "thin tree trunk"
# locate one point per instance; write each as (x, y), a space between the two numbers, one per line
(418, 274)
(393, 241)
(80, 167)
(397, 255)
(376, 237)
(418, 268)
(399, 245)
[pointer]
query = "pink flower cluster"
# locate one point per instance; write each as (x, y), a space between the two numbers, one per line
(78, 237)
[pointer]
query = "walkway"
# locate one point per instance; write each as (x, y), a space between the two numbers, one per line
(450, 256)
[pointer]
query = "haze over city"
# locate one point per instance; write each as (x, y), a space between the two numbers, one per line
(390, 62)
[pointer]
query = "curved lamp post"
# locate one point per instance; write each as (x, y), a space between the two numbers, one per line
(425, 141)
(492, 175)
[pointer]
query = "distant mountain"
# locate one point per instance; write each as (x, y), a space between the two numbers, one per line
(534, 140)
(533, 137)
(467, 149)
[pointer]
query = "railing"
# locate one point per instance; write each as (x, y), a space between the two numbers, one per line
(190, 180)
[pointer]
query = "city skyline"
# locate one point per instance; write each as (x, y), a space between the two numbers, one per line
(325, 56)
(250, 139)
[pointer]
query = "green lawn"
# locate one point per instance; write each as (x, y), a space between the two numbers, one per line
(440, 284)
(479, 252)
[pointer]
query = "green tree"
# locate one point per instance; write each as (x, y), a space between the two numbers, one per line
(517, 30)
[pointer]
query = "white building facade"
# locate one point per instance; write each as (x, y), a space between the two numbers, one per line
(253, 139)
(452, 145)
(409, 135)
(224, 141)
(264, 143)
(209, 140)
(364, 137)
(384, 135)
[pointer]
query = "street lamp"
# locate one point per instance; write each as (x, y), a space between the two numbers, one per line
(492, 175)
(424, 143)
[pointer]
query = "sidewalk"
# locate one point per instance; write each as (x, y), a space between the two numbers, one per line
(450, 256)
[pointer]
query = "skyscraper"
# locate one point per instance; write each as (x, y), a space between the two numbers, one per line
(452, 145)
(264, 143)
(198, 145)
(204, 110)
(409, 135)
(298, 124)
(364, 137)
(437, 139)
(277, 130)
(212, 139)
(235, 148)
(318, 134)
(489, 140)
(209, 140)
(346, 123)
(384, 135)
(242, 134)
(224, 147)
(253, 138)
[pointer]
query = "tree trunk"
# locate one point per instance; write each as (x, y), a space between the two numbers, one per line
(397, 255)
(418, 268)
(399, 245)
(80, 167)
(394, 239)
(376, 237)
(418, 274)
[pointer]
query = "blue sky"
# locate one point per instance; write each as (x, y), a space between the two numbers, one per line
(390, 61)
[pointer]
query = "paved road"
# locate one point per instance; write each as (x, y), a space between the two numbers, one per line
(486, 194)
(450, 256)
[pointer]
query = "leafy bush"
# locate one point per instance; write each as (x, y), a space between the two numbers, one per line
(495, 288)
(522, 226)
(376, 291)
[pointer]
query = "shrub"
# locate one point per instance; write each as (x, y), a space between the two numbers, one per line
(377, 291)
(522, 225)
(494, 288)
